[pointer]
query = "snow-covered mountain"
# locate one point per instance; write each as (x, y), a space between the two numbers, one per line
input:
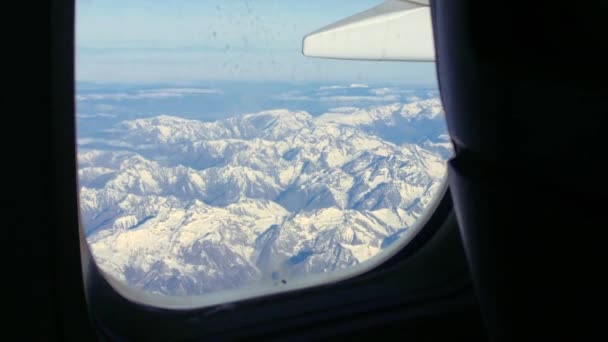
(418, 122)
(178, 206)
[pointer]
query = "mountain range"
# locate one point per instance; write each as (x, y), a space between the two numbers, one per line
(177, 206)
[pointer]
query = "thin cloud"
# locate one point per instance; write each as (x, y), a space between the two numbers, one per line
(360, 98)
(382, 91)
(354, 85)
(291, 97)
(95, 115)
(181, 91)
(102, 107)
(148, 94)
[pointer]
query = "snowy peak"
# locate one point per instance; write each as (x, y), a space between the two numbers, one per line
(166, 129)
(418, 110)
(424, 109)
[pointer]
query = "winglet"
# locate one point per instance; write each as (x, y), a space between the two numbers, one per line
(396, 30)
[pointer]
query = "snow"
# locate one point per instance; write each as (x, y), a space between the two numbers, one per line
(226, 203)
(362, 252)
(125, 222)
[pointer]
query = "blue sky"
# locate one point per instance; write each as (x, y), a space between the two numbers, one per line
(186, 41)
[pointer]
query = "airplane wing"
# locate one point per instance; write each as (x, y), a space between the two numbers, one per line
(396, 30)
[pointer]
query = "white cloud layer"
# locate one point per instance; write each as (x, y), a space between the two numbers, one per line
(354, 85)
(359, 98)
(95, 115)
(148, 94)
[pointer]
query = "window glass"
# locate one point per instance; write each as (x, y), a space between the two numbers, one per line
(213, 156)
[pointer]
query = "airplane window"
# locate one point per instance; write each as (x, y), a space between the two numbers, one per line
(218, 162)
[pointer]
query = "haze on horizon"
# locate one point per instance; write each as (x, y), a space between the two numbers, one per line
(186, 41)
